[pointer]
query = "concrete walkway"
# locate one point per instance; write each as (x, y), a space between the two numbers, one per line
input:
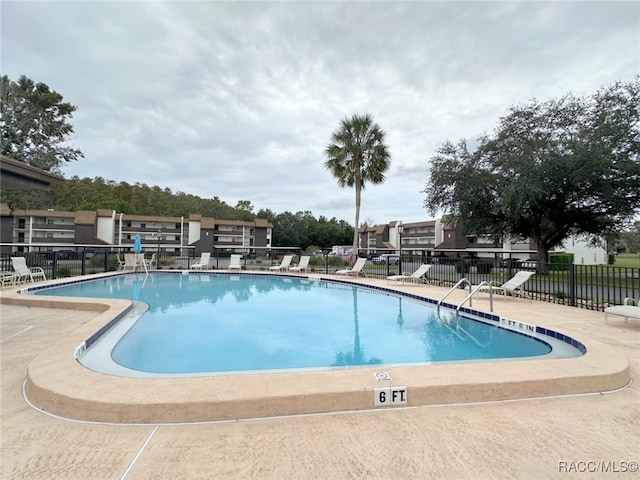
(561, 437)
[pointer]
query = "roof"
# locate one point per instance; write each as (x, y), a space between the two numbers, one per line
(106, 212)
(263, 223)
(373, 228)
(16, 175)
(85, 217)
(43, 213)
(207, 223)
(428, 223)
(449, 222)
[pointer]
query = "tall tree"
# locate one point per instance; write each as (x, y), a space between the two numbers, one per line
(357, 155)
(244, 208)
(34, 122)
(550, 170)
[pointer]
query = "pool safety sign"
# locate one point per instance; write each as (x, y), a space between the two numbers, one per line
(517, 326)
(389, 396)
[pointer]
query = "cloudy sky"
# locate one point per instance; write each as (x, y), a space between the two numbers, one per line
(239, 99)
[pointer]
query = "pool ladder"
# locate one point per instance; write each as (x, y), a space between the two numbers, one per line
(473, 289)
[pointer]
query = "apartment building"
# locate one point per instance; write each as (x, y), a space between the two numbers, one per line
(26, 230)
(442, 237)
(418, 238)
(445, 237)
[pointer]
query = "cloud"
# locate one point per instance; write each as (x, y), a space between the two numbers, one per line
(239, 99)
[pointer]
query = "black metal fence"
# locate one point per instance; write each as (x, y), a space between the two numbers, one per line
(592, 287)
(585, 286)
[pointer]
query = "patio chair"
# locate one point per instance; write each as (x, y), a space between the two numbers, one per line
(284, 265)
(120, 262)
(152, 262)
(131, 262)
(629, 308)
(419, 276)
(303, 266)
(355, 270)
(234, 262)
(24, 273)
(205, 258)
(511, 287)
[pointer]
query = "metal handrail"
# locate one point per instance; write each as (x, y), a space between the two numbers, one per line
(475, 289)
(458, 283)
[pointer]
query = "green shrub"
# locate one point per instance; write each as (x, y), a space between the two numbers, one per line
(560, 261)
(611, 259)
(97, 262)
(63, 271)
(316, 261)
(337, 261)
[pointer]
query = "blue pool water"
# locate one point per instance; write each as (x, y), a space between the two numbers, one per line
(231, 323)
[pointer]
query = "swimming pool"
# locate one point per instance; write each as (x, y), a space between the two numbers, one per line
(57, 383)
(200, 323)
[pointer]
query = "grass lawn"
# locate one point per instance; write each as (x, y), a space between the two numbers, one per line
(627, 260)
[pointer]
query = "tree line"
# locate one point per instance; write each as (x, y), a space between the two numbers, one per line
(300, 229)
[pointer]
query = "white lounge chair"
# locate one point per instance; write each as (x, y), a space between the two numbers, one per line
(419, 276)
(234, 262)
(303, 266)
(152, 263)
(511, 287)
(355, 270)
(24, 273)
(629, 308)
(132, 261)
(284, 265)
(205, 258)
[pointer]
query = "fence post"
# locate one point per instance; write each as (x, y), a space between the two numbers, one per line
(83, 268)
(54, 265)
(572, 284)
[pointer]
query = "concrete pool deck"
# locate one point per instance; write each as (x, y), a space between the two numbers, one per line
(484, 439)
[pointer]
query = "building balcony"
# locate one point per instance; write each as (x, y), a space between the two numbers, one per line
(134, 230)
(65, 240)
(46, 227)
(228, 244)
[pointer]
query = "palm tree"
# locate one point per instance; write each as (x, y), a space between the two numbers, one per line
(357, 155)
